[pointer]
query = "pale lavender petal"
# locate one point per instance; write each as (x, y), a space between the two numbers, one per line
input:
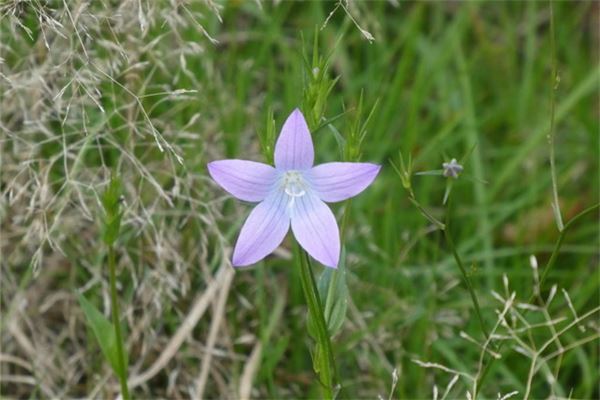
(246, 180)
(263, 231)
(316, 229)
(339, 181)
(294, 148)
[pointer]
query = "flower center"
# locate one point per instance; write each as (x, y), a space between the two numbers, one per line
(294, 184)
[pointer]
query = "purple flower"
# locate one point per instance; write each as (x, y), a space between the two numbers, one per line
(452, 169)
(293, 192)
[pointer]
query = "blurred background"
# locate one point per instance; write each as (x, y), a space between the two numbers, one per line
(152, 91)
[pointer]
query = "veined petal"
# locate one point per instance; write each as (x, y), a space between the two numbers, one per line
(263, 231)
(339, 181)
(246, 180)
(294, 148)
(316, 229)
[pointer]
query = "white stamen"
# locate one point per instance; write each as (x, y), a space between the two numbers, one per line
(291, 193)
(294, 186)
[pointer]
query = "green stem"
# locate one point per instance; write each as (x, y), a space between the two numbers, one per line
(560, 240)
(424, 212)
(326, 363)
(466, 279)
(116, 323)
(345, 218)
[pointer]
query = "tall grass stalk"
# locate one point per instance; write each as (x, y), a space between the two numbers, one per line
(554, 88)
(114, 302)
(112, 225)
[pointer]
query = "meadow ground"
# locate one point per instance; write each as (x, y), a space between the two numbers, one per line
(152, 91)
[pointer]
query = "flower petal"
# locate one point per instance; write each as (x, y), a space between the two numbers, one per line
(316, 229)
(246, 180)
(339, 181)
(294, 148)
(263, 231)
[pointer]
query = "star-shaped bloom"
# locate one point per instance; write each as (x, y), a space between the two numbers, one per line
(291, 193)
(452, 169)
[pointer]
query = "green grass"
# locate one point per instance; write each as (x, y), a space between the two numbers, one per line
(448, 78)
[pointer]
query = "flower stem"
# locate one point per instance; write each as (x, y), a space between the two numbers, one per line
(345, 220)
(466, 279)
(116, 323)
(463, 270)
(325, 362)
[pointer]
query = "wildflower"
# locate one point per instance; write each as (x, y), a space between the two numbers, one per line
(452, 168)
(291, 193)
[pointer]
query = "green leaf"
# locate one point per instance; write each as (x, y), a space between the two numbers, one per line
(111, 227)
(334, 295)
(447, 192)
(311, 326)
(112, 196)
(267, 137)
(435, 172)
(317, 357)
(104, 332)
(338, 138)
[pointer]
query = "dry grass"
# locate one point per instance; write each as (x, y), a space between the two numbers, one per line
(85, 95)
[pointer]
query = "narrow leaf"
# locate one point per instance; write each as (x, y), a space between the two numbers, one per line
(334, 295)
(104, 332)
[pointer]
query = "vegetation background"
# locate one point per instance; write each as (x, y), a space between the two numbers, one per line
(155, 90)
